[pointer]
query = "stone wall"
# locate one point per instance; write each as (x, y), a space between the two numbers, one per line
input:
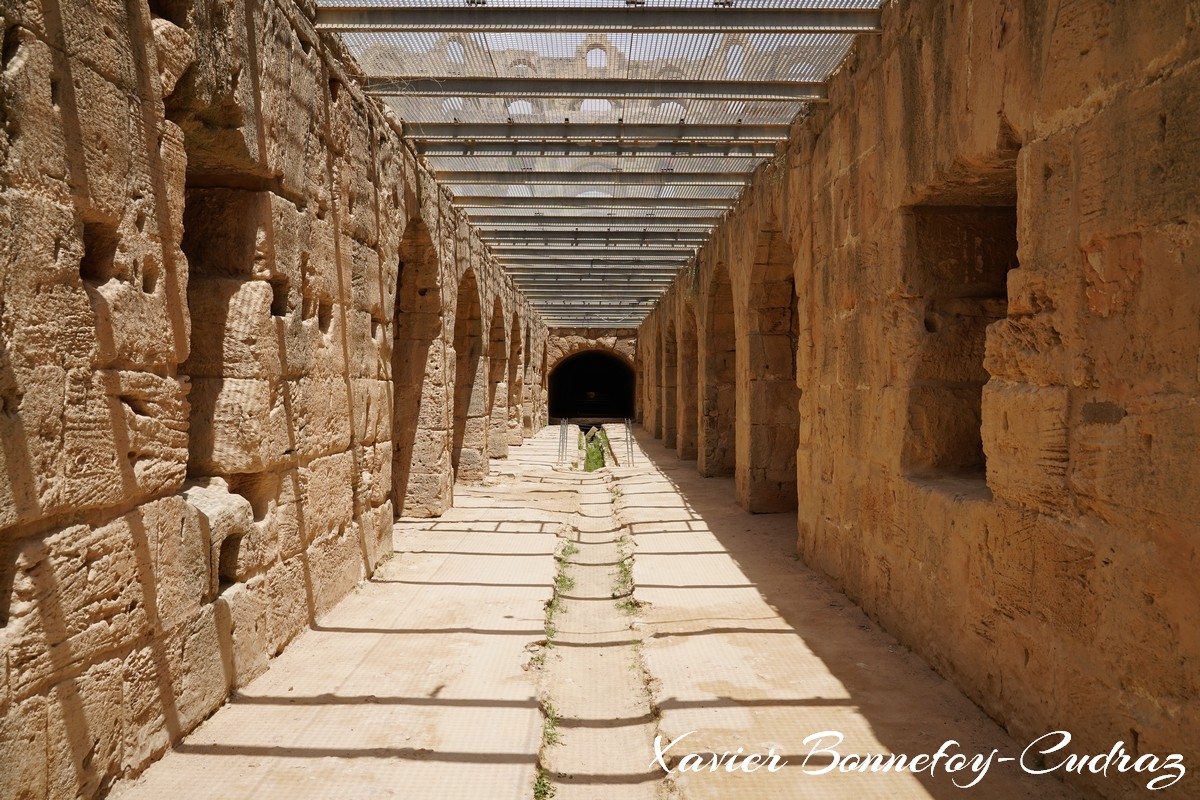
(564, 342)
(992, 231)
(203, 228)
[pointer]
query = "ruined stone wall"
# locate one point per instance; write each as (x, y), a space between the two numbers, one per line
(993, 230)
(201, 226)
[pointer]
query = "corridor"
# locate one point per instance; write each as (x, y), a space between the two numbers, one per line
(497, 654)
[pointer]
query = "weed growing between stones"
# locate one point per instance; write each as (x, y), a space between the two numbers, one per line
(543, 789)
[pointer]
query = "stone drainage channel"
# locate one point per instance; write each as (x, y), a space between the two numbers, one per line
(597, 697)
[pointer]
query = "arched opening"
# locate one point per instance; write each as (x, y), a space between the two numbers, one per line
(670, 379)
(516, 383)
(470, 385)
(685, 434)
(497, 403)
(592, 385)
(769, 429)
(717, 452)
(421, 471)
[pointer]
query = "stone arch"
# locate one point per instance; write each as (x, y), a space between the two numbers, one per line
(768, 429)
(574, 346)
(670, 380)
(716, 450)
(468, 445)
(422, 475)
(688, 377)
(497, 357)
(516, 383)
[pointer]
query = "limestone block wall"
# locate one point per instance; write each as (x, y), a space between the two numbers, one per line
(991, 230)
(565, 342)
(204, 366)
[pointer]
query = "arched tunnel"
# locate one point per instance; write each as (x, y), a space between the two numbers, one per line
(591, 385)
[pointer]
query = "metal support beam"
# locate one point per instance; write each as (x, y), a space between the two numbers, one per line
(598, 262)
(468, 200)
(577, 253)
(573, 88)
(548, 178)
(597, 223)
(638, 19)
(524, 149)
(585, 287)
(583, 131)
(559, 237)
(607, 276)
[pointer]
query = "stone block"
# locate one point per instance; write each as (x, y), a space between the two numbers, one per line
(242, 608)
(287, 603)
(238, 425)
(84, 733)
(375, 474)
(235, 333)
(327, 495)
(228, 233)
(285, 517)
(1025, 439)
(376, 526)
(36, 154)
(366, 279)
(23, 748)
(369, 346)
(78, 593)
(223, 515)
(147, 705)
(201, 669)
(320, 422)
(372, 410)
(149, 417)
(336, 567)
(178, 550)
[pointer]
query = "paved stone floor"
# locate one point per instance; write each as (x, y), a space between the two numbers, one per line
(499, 649)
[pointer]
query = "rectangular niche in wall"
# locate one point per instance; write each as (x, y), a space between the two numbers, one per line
(958, 259)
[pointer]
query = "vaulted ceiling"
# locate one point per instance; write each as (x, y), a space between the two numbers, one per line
(594, 143)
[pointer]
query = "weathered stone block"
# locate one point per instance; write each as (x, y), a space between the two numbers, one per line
(238, 425)
(1025, 439)
(84, 731)
(287, 603)
(242, 608)
(177, 547)
(223, 516)
(23, 747)
(375, 474)
(336, 565)
(320, 421)
(235, 333)
(78, 593)
(200, 668)
(327, 495)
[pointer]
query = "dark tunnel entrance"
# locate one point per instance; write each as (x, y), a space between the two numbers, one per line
(591, 385)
